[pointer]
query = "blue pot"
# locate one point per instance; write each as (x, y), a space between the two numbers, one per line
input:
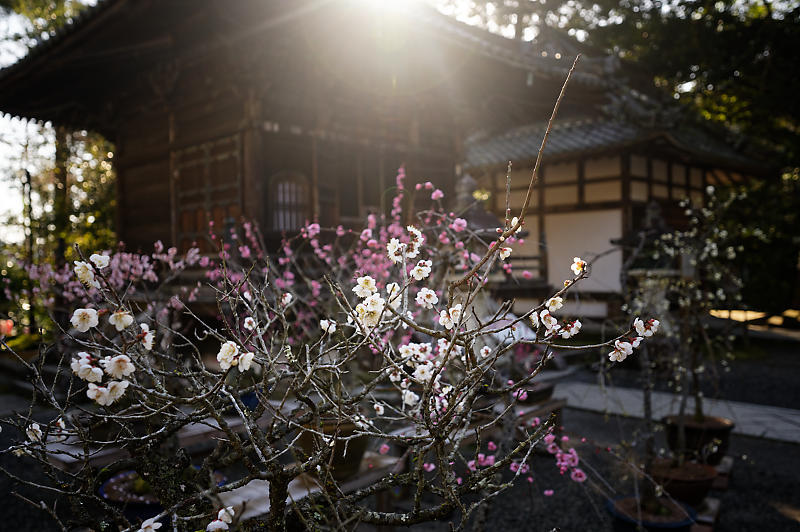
(135, 511)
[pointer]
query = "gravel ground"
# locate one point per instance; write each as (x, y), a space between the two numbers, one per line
(763, 493)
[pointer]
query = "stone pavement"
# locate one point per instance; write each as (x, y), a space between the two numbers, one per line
(761, 421)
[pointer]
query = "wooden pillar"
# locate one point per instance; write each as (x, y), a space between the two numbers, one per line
(61, 204)
(627, 205)
(687, 180)
(251, 192)
(649, 178)
(173, 179)
(669, 180)
(314, 179)
(495, 192)
(360, 181)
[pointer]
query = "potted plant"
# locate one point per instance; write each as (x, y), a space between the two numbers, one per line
(711, 279)
(647, 508)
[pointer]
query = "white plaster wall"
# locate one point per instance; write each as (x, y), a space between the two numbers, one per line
(603, 191)
(602, 167)
(639, 191)
(660, 171)
(660, 191)
(638, 166)
(696, 177)
(678, 174)
(585, 235)
(564, 195)
(561, 172)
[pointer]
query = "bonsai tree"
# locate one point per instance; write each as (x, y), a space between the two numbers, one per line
(710, 280)
(339, 337)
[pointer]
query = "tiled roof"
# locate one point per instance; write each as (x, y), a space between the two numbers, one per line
(522, 143)
(581, 137)
(518, 54)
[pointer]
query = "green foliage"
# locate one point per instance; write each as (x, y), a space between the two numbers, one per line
(729, 62)
(45, 16)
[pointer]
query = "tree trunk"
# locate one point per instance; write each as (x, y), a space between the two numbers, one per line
(278, 493)
(61, 212)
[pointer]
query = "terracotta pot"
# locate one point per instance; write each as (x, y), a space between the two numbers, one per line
(679, 518)
(342, 466)
(700, 436)
(689, 483)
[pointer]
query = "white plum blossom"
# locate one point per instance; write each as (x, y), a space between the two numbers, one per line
(415, 243)
(549, 322)
(578, 265)
(486, 351)
(505, 252)
(365, 286)
(571, 329)
(85, 273)
(118, 366)
(150, 525)
(100, 261)
(514, 221)
(555, 303)
(121, 319)
(84, 318)
(393, 295)
(410, 398)
(116, 389)
(368, 312)
(249, 323)
(423, 373)
(84, 369)
(378, 409)
(227, 355)
(216, 524)
(148, 336)
(34, 432)
(449, 318)
(647, 328)
(427, 298)
(395, 250)
(621, 351)
(226, 514)
(98, 394)
(244, 361)
(636, 341)
(286, 298)
(421, 270)
(534, 317)
(90, 373)
(328, 326)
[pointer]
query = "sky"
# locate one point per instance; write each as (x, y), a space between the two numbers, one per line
(12, 134)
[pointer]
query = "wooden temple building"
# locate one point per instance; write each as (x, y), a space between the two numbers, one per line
(284, 112)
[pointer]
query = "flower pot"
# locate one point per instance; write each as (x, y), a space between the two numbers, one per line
(699, 437)
(342, 466)
(677, 517)
(120, 491)
(689, 482)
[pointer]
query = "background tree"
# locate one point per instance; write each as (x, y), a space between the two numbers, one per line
(71, 198)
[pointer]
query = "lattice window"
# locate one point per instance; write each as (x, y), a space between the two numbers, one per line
(290, 201)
